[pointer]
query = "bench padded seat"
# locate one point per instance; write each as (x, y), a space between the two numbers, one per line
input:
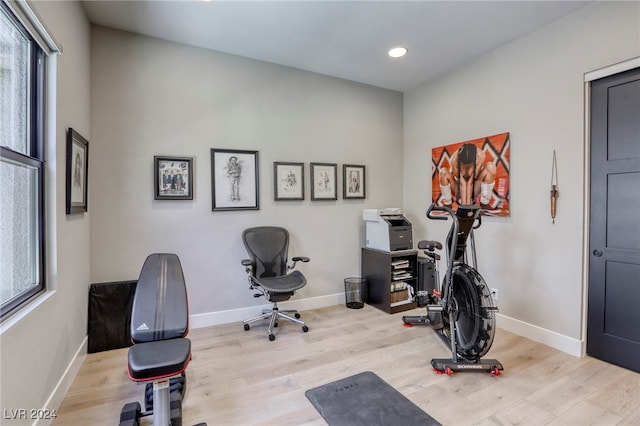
(156, 360)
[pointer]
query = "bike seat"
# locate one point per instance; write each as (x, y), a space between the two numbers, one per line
(429, 245)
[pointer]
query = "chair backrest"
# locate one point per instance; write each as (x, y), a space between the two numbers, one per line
(267, 247)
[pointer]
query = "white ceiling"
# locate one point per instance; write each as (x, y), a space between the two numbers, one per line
(346, 39)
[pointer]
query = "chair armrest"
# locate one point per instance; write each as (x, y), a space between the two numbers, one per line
(248, 266)
(296, 259)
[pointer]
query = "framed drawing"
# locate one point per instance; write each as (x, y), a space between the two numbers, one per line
(288, 181)
(77, 172)
(173, 178)
(353, 181)
(324, 184)
(234, 180)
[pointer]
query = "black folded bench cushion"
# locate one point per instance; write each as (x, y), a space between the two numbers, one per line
(109, 316)
(157, 360)
(160, 310)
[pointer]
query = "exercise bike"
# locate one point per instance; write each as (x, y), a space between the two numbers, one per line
(461, 310)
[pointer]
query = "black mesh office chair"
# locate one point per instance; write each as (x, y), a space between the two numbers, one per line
(267, 270)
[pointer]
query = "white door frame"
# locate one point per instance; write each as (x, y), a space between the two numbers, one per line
(588, 78)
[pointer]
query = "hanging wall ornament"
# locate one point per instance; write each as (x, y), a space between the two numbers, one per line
(554, 188)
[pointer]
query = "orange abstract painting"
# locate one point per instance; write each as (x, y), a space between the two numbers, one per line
(473, 172)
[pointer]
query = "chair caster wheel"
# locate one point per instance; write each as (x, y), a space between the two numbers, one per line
(305, 328)
(246, 327)
(297, 315)
(275, 324)
(272, 337)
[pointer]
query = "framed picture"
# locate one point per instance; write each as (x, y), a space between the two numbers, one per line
(234, 180)
(77, 172)
(173, 178)
(492, 154)
(353, 181)
(324, 184)
(288, 181)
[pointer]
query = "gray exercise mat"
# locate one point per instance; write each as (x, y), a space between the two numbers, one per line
(366, 400)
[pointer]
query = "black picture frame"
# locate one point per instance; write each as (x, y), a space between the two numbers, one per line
(173, 178)
(77, 172)
(288, 181)
(324, 181)
(235, 180)
(353, 182)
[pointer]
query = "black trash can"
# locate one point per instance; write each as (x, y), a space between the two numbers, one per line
(355, 292)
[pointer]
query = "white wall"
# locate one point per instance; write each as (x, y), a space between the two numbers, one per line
(152, 97)
(37, 348)
(532, 88)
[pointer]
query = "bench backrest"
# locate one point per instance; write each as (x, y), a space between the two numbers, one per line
(160, 309)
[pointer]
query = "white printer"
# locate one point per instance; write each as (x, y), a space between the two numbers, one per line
(387, 230)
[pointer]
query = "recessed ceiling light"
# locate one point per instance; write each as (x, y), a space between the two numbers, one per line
(397, 52)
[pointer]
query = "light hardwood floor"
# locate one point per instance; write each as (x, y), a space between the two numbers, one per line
(239, 377)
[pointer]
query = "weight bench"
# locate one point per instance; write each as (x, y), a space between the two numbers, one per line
(161, 352)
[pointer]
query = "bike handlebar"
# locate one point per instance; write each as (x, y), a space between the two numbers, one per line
(436, 208)
(450, 212)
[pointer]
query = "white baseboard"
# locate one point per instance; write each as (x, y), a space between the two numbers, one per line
(61, 389)
(237, 315)
(521, 328)
(541, 335)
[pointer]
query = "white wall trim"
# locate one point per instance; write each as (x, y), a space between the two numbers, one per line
(30, 19)
(236, 315)
(586, 215)
(538, 334)
(62, 387)
(24, 312)
(612, 69)
(588, 78)
(529, 331)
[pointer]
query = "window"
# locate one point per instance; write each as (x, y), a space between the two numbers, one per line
(21, 165)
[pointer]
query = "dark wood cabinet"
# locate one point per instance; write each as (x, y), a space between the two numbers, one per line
(388, 274)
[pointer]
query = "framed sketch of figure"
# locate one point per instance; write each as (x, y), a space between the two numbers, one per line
(77, 172)
(324, 185)
(353, 181)
(234, 180)
(288, 181)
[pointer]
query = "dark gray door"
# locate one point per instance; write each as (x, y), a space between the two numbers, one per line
(613, 327)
